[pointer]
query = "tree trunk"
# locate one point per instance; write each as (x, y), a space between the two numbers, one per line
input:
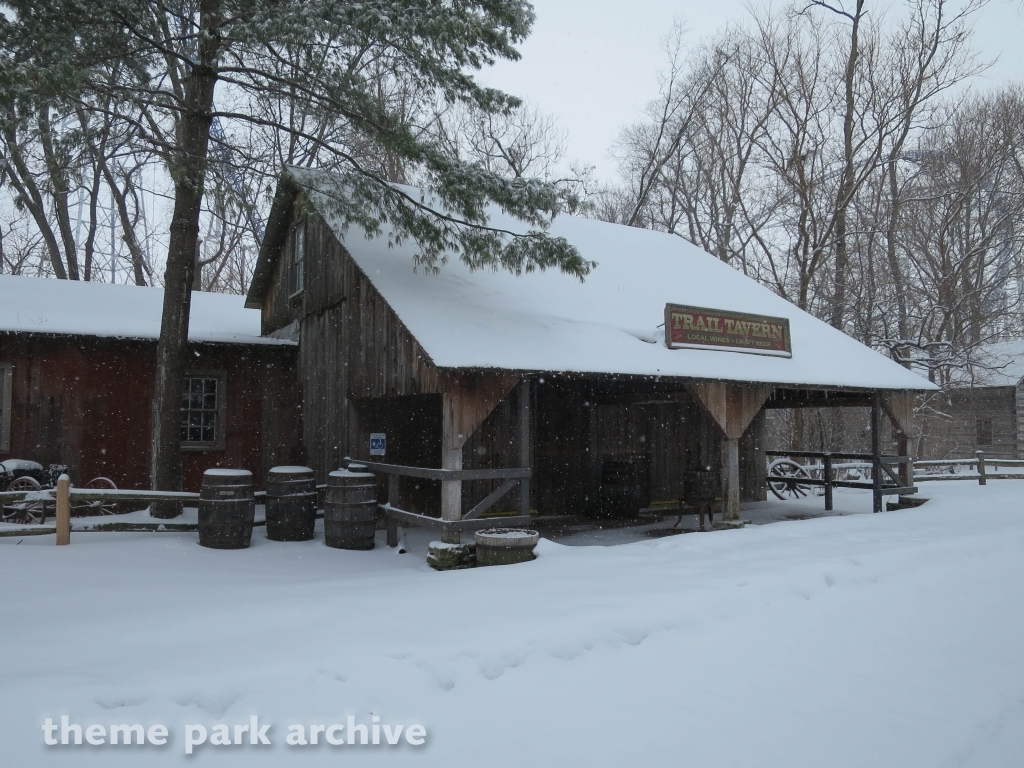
(846, 186)
(189, 174)
(59, 183)
(24, 182)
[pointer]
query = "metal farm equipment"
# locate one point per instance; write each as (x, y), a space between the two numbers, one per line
(32, 478)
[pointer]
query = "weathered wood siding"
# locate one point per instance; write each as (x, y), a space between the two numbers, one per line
(953, 431)
(1019, 408)
(85, 402)
(279, 308)
(353, 347)
(577, 424)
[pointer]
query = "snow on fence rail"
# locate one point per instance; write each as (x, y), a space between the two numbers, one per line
(63, 494)
(984, 468)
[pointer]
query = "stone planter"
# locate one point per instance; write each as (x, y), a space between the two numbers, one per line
(505, 546)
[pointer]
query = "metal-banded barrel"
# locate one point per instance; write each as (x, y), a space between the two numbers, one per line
(291, 503)
(350, 510)
(226, 509)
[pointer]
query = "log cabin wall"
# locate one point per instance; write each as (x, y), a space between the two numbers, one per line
(1019, 414)
(86, 402)
(982, 418)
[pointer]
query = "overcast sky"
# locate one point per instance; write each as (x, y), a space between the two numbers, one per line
(593, 64)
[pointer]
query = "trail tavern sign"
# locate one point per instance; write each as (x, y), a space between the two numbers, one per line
(702, 328)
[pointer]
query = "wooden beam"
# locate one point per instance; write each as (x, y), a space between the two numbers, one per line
(524, 444)
(802, 398)
(467, 399)
(489, 500)
(731, 407)
(405, 518)
(731, 479)
(63, 510)
(899, 407)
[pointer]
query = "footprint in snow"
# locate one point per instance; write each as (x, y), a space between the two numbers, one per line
(341, 678)
(119, 703)
(214, 707)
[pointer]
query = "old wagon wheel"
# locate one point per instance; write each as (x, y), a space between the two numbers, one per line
(25, 512)
(97, 507)
(788, 489)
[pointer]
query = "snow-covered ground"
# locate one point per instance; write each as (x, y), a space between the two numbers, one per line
(856, 640)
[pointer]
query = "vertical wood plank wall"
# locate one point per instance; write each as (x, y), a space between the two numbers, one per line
(353, 348)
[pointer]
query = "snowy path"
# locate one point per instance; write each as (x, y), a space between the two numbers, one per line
(864, 640)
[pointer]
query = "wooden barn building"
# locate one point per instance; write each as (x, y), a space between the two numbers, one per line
(568, 389)
(77, 364)
(982, 411)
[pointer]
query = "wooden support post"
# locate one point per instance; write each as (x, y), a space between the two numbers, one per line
(899, 407)
(524, 445)
(393, 490)
(828, 481)
(63, 510)
(467, 400)
(731, 408)
(906, 471)
(730, 479)
(392, 501)
(451, 493)
(982, 475)
(876, 457)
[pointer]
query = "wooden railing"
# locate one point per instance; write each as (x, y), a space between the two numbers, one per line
(64, 497)
(470, 520)
(980, 462)
(884, 481)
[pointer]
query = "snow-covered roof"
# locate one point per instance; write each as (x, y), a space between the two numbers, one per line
(40, 305)
(611, 323)
(1000, 364)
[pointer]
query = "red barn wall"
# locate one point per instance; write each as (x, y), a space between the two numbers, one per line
(85, 402)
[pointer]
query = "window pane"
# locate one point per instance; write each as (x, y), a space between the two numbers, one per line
(199, 409)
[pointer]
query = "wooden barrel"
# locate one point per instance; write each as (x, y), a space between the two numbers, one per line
(226, 509)
(291, 503)
(350, 510)
(505, 546)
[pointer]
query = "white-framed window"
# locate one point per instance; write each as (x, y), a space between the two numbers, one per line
(298, 259)
(6, 383)
(203, 407)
